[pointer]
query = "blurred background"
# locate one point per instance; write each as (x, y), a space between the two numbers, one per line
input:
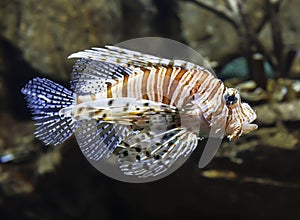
(251, 44)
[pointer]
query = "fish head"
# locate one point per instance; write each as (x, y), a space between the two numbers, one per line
(240, 115)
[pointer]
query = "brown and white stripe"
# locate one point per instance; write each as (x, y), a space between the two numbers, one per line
(168, 85)
(171, 82)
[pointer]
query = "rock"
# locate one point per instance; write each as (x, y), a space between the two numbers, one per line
(265, 115)
(286, 111)
(295, 67)
(214, 37)
(47, 162)
(16, 146)
(48, 31)
(277, 137)
(206, 33)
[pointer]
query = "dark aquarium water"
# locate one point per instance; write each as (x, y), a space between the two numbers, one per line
(252, 45)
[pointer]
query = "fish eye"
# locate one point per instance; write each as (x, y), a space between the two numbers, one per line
(230, 99)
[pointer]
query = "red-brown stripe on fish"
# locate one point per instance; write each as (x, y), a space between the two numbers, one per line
(173, 83)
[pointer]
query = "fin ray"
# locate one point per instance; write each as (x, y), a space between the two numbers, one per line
(92, 76)
(98, 139)
(159, 155)
(129, 58)
(45, 98)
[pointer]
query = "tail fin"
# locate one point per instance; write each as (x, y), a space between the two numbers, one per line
(45, 98)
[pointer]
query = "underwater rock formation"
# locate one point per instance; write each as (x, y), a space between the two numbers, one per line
(48, 31)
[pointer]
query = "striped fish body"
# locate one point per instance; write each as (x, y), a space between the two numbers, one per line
(168, 85)
(156, 88)
(146, 109)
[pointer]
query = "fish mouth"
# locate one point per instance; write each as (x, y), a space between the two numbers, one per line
(248, 127)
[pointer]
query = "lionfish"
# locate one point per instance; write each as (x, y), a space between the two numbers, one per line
(144, 109)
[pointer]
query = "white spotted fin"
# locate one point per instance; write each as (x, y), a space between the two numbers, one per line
(128, 58)
(145, 155)
(124, 111)
(98, 139)
(45, 98)
(103, 124)
(92, 76)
